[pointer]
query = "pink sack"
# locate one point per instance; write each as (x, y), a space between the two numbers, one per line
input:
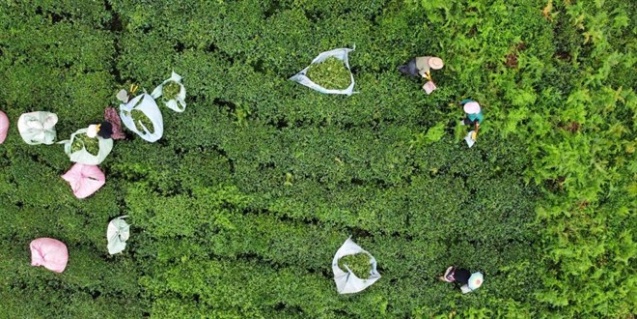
(50, 253)
(110, 115)
(84, 179)
(429, 87)
(4, 126)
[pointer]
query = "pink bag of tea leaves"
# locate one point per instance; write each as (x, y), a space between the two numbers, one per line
(84, 179)
(429, 87)
(50, 253)
(4, 126)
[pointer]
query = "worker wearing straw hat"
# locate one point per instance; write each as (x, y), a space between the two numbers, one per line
(422, 66)
(468, 281)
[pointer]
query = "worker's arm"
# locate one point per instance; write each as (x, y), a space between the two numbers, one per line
(475, 132)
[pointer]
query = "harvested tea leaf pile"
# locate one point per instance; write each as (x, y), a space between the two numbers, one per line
(83, 141)
(138, 116)
(170, 91)
(331, 74)
(358, 264)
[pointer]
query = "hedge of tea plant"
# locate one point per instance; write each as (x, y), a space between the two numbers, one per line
(238, 210)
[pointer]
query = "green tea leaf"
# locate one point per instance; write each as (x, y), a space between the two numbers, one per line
(330, 74)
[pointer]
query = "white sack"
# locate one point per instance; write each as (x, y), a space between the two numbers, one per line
(340, 54)
(83, 156)
(346, 280)
(117, 233)
(177, 104)
(149, 107)
(38, 127)
(469, 139)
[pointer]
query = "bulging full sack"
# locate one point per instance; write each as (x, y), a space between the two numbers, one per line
(50, 253)
(4, 126)
(346, 281)
(38, 127)
(146, 104)
(84, 179)
(341, 54)
(117, 233)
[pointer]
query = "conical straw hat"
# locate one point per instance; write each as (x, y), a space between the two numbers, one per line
(436, 63)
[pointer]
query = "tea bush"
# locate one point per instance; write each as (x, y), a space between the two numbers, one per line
(238, 210)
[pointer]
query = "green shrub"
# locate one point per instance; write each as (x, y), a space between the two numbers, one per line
(238, 210)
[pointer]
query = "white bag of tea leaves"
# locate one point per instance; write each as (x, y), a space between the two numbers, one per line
(85, 150)
(142, 116)
(331, 77)
(38, 127)
(347, 281)
(117, 233)
(172, 93)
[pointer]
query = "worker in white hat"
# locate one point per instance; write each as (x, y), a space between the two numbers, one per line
(422, 66)
(473, 117)
(468, 281)
(473, 112)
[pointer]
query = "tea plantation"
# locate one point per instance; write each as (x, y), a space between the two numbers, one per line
(239, 209)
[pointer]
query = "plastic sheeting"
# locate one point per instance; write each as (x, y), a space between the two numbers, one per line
(341, 54)
(84, 179)
(346, 280)
(4, 126)
(117, 233)
(49, 253)
(83, 156)
(177, 104)
(38, 127)
(149, 107)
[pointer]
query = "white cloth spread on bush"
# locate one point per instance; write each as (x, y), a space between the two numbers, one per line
(37, 127)
(178, 103)
(149, 107)
(346, 280)
(340, 54)
(83, 156)
(117, 234)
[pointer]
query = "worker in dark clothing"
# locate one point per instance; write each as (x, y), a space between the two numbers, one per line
(421, 67)
(103, 130)
(468, 282)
